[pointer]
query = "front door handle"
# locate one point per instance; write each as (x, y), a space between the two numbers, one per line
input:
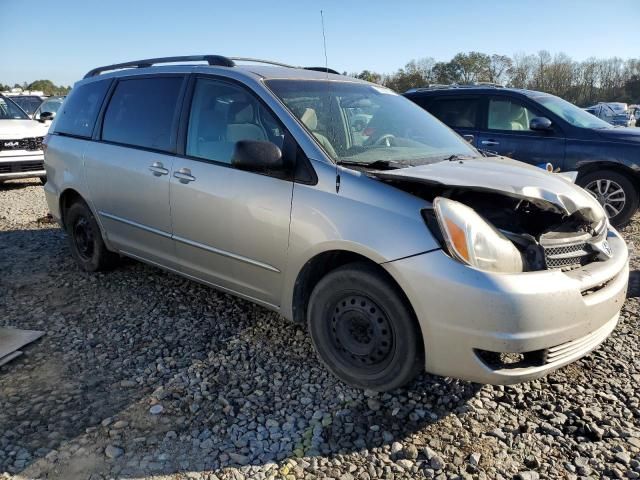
(158, 169)
(184, 175)
(489, 142)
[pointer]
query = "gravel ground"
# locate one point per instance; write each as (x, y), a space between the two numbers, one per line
(143, 374)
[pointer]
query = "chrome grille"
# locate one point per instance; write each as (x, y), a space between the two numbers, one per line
(567, 256)
(31, 144)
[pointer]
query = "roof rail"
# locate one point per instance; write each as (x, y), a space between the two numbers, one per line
(441, 86)
(258, 60)
(279, 64)
(218, 60)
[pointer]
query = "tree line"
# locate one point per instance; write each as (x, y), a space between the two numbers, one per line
(45, 86)
(581, 82)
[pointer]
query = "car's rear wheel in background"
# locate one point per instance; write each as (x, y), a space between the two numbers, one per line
(363, 329)
(43, 179)
(615, 191)
(85, 239)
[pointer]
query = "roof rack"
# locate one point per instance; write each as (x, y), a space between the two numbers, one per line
(442, 86)
(278, 64)
(217, 60)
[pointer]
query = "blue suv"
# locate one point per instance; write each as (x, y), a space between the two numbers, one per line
(536, 127)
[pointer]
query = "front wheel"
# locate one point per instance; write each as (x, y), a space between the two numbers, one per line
(615, 192)
(85, 239)
(363, 329)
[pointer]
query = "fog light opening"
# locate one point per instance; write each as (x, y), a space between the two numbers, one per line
(510, 360)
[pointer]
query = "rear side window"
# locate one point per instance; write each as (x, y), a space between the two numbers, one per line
(456, 112)
(78, 115)
(142, 113)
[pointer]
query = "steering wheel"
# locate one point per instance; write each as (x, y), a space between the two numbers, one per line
(385, 140)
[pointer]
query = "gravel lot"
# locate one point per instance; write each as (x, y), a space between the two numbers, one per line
(143, 374)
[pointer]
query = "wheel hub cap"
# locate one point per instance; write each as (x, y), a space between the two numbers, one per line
(609, 194)
(361, 331)
(83, 236)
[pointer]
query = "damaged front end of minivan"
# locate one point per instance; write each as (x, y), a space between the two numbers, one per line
(502, 216)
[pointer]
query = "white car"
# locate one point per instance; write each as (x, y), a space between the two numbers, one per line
(21, 154)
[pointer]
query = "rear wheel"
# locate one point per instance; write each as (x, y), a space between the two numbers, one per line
(43, 179)
(363, 330)
(85, 239)
(615, 192)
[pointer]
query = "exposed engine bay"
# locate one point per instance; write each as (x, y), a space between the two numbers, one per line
(546, 237)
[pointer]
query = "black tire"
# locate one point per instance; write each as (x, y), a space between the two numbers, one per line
(85, 240)
(363, 330)
(43, 179)
(590, 182)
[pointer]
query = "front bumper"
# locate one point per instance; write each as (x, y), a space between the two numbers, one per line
(22, 166)
(552, 317)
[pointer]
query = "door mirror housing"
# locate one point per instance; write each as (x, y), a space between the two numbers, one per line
(44, 116)
(257, 156)
(540, 124)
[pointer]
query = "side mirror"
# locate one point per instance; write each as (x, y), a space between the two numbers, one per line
(468, 138)
(44, 116)
(257, 156)
(540, 123)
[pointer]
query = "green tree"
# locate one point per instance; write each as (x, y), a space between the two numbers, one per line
(46, 86)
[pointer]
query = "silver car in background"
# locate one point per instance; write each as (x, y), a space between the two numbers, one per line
(399, 246)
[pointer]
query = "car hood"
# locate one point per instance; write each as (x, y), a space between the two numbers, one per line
(622, 134)
(16, 129)
(550, 191)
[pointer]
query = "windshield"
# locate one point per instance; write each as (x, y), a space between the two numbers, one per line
(10, 111)
(572, 114)
(361, 123)
(28, 104)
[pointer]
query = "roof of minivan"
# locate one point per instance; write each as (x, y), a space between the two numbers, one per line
(475, 90)
(266, 72)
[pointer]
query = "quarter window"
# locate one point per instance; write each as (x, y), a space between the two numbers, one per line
(505, 114)
(456, 112)
(142, 113)
(223, 114)
(78, 116)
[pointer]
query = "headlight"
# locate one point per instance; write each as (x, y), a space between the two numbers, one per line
(473, 241)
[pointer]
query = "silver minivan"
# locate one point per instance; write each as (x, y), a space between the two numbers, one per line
(344, 207)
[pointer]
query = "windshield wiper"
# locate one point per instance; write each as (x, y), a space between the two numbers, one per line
(378, 164)
(455, 157)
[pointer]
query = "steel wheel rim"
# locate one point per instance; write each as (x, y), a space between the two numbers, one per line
(83, 238)
(609, 194)
(361, 333)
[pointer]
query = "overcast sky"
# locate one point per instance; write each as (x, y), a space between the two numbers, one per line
(64, 39)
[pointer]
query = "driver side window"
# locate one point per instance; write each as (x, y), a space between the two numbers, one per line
(509, 115)
(223, 114)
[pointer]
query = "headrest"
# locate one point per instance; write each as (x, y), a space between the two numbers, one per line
(241, 112)
(310, 119)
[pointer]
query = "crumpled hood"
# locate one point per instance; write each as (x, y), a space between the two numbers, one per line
(550, 191)
(17, 129)
(621, 134)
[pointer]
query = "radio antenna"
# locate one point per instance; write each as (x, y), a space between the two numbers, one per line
(324, 42)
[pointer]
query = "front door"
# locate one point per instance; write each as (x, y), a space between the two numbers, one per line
(231, 227)
(128, 170)
(507, 133)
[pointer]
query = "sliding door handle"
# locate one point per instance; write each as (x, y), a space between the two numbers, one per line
(158, 169)
(184, 175)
